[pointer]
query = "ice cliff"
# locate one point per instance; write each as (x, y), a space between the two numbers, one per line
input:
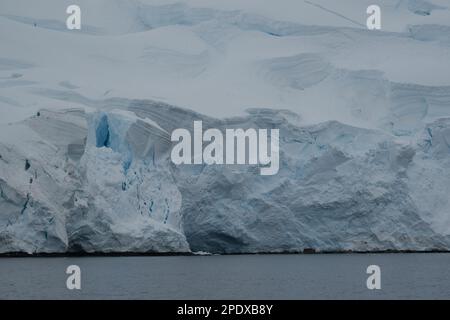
(103, 182)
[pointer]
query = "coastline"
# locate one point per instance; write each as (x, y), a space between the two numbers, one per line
(169, 254)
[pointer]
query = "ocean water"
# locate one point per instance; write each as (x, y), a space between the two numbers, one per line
(318, 276)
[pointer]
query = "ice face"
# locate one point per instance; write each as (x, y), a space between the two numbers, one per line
(338, 188)
(102, 135)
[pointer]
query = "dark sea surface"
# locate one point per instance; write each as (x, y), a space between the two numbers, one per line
(303, 276)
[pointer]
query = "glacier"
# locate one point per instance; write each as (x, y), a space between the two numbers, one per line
(108, 185)
(86, 119)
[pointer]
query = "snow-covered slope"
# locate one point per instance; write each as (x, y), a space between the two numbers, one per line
(86, 117)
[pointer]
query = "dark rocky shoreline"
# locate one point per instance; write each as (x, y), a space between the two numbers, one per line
(162, 254)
